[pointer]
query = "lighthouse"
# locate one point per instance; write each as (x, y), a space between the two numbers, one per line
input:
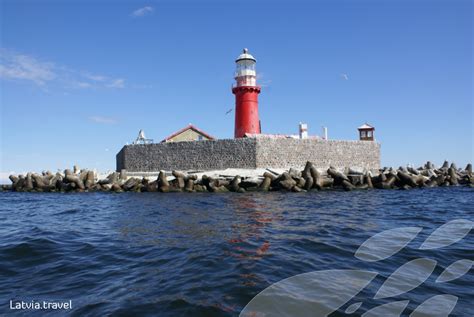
(246, 93)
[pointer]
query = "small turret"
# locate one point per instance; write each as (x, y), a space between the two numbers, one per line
(366, 132)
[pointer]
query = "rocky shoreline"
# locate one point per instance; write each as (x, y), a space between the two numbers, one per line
(310, 178)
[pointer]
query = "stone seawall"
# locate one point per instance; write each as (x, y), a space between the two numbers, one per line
(248, 153)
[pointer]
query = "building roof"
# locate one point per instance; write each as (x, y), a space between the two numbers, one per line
(192, 127)
(245, 55)
(365, 126)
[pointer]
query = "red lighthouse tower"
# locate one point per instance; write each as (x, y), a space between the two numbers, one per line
(246, 96)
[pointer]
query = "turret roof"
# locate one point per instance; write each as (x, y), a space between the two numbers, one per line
(245, 56)
(365, 126)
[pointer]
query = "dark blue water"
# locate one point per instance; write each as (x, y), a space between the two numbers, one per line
(152, 254)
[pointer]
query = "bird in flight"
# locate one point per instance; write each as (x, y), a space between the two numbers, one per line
(229, 111)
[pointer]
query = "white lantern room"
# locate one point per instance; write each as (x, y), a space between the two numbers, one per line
(245, 74)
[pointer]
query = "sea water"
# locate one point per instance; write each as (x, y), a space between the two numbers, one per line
(204, 254)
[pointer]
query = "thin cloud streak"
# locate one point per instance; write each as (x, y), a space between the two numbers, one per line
(117, 83)
(142, 12)
(103, 120)
(24, 68)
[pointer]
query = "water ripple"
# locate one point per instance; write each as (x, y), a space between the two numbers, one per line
(178, 254)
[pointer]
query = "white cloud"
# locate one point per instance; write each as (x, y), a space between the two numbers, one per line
(142, 11)
(83, 85)
(20, 67)
(23, 67)
(103, 120)
(117, 83)
(95, 77)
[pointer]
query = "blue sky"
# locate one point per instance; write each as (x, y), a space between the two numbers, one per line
(80, 78)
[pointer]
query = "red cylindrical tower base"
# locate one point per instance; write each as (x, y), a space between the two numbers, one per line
(246, 110)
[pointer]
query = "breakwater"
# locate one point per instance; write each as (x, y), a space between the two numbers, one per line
(310, 178)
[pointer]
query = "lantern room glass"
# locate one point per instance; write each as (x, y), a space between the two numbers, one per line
(245, 66)
(245, 74)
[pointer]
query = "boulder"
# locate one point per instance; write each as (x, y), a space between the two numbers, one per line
(453, 177)
(297, 189)
(90, 180)
(106, 187)
(445, 165)
(362, 186)
(327, 182)
(309, 181)
(265, 185)
(180, 179)
(29, 182)
(14, 179)
(71, 178)
(406, 179)
(163, 184)
(337, 176)
(347, 185)
(300, 182)
(317, 178)
(116, 188)
(189, 187)
(307, 168)
(412, 170)
(368, 180)
(356, 179)
(440, 179)
(287, 184)
(286, 181)
(356, 171)
(468, 168)
(234, 184)
(131, 184)
(200, 188)
(152, 186)
(429, 165)
(38, 181)
(294, 173)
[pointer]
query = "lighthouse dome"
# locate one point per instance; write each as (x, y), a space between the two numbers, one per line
(245, 56)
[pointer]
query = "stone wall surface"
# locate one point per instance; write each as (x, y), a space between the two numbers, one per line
(191, 155)
(248, 153)
(282, 153)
